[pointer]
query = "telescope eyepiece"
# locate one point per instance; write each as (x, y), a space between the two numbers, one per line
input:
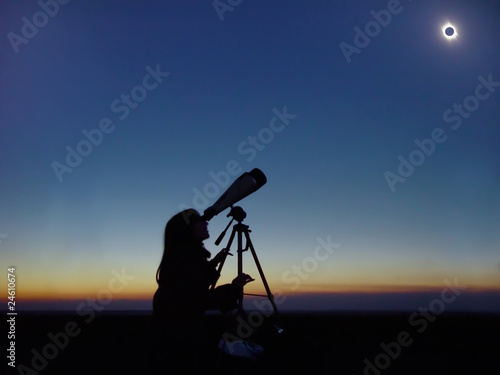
(208, 214)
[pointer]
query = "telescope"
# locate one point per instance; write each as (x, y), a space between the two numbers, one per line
(243, 186)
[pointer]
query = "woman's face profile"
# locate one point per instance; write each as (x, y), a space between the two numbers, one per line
(200, 230)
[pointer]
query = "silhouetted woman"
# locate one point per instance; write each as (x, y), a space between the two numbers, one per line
(183, 295)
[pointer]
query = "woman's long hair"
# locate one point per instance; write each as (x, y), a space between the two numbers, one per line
(177, 239)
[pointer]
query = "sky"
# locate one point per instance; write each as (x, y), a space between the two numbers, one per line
(378, 136)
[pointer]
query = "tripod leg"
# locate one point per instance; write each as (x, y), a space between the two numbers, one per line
(227, 248)
(261, 272)
(240, 265)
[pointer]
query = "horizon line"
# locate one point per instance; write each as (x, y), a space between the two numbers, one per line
(465, 301)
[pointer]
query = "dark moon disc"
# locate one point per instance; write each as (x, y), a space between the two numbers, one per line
(449, 31)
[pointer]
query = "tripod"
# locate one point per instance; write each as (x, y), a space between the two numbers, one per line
(241, 229)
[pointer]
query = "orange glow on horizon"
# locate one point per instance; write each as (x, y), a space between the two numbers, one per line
(343, 290)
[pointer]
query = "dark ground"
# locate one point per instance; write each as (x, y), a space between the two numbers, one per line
(339, 343)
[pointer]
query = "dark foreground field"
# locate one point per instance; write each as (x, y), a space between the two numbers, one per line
(340, 343)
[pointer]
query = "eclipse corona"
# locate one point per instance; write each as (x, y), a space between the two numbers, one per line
(449, 31)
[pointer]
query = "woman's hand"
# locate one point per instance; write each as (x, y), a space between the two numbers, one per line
(221, 255)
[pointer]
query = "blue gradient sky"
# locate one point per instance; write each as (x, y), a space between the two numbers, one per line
(227, 78)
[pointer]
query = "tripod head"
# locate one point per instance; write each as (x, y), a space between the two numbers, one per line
(237, 214)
